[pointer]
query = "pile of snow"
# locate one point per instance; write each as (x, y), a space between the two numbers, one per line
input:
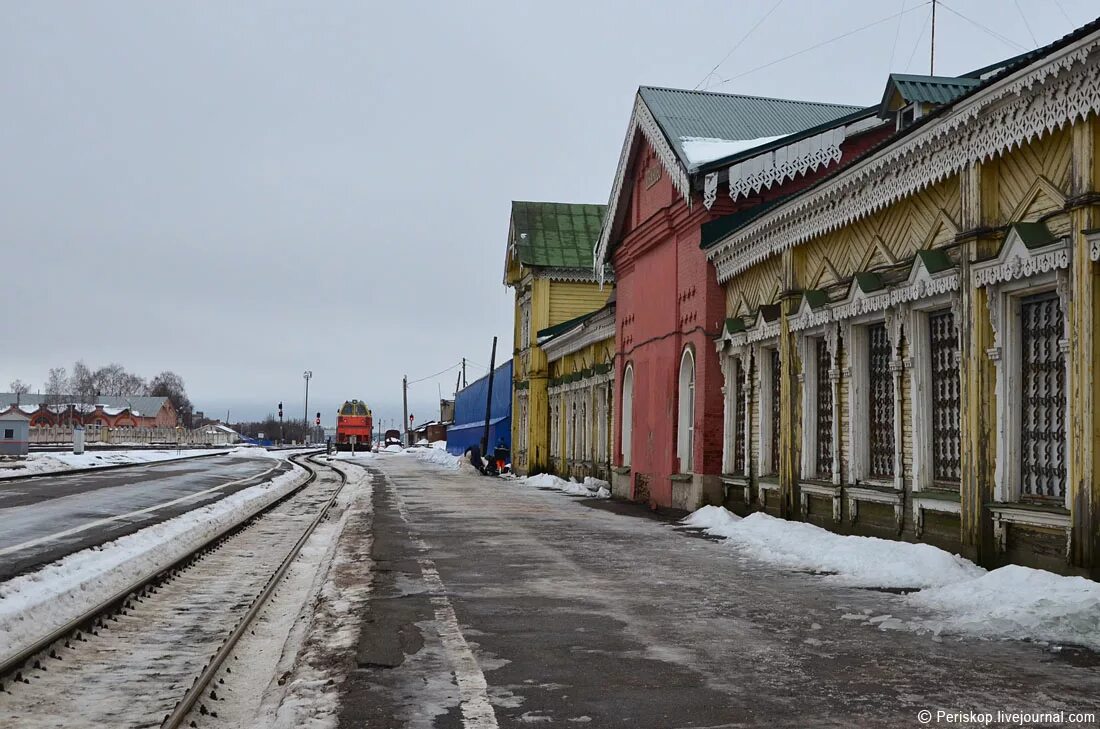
(440, 444)
(1012, 602)
(393, 448)
(714, 520)
(55, 462)
(1015, 602)
(701, 150)
(591, 487)
(851, 560)
(37, 603)
(438, 457)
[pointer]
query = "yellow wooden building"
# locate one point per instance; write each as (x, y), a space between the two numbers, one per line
(910, 343)
(549, 265)
(581, 356)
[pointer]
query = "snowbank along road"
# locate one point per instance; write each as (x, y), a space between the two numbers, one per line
(48, 517)
(497, 604)
(170, 652)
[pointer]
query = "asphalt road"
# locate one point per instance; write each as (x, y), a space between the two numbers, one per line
(46, 518)
(494, 604)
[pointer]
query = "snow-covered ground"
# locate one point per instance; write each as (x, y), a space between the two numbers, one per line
(42, 463)
(1012, 602)
(590, 487)
(60, 592)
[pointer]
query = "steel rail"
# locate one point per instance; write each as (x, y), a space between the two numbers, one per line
(210, 671)
(14, 663)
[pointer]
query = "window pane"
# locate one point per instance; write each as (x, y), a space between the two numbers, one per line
(824, 412)
(944, 344)
(776, 374)
(881, 402)
(1043, 412)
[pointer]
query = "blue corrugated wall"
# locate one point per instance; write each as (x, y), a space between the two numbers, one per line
(469, 424)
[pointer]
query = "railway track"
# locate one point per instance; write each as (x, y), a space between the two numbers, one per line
(161, 654)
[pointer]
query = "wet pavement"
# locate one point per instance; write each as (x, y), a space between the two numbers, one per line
(495, 604)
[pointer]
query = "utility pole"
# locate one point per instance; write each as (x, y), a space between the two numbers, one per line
(458, 383)
(489, 401)
(405, 406)
(305, 415)
(932, 51)
(464, 372)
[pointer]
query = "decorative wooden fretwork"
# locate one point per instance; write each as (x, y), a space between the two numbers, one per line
(738, 421)
(1043, 373)
(944, 346)
(881, 402)
(776, 374)
(824, 412)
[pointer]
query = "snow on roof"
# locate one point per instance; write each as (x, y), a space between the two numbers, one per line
(700, 150)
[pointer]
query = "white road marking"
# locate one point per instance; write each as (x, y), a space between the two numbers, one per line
(477, 711)
(100, 522)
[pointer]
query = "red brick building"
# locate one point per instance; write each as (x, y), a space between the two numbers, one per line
(681, 148)
(107, 412)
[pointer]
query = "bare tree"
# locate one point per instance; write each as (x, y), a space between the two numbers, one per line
(113, 380)
(20, 389)
(170, 385)
(82, 383)
(57, 386)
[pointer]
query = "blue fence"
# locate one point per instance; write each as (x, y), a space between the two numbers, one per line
(469, 423)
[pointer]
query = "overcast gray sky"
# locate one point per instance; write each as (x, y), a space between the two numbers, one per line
(241, 191)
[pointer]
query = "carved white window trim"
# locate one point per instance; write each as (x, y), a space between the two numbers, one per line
(1004, 312)
(767, 430)
(920, 379)
(854, 334)
(736, 371)
(807, 345)
(1014, 273)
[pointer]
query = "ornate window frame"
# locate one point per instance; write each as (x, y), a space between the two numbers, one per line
(931, 292)
(807, 352)
(854, 332)
(1016, 272)
(737, 373)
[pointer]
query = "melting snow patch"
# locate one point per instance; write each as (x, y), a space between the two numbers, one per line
(1018, 602)
(592, 488)
(850, 560)
(438, 457)
(700, 150)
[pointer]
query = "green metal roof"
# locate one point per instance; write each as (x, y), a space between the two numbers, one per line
(720, 228)
(869, 281)
(555, 235)
(816, 298)
(935, 260)
(936, 90)
(556, 329)
(1034, 235)
(703, 114)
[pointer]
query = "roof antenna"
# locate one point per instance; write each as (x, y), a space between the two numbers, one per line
(932, 50)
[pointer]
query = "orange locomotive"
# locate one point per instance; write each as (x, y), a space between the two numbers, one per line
(354, 421)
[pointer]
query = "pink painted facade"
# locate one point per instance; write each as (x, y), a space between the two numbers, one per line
(669, 300)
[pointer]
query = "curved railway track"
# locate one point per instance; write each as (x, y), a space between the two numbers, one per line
(154, 653)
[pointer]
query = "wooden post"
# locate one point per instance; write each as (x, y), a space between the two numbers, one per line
(489, 400)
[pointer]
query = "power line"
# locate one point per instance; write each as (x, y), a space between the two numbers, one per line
(823, 43)
(923, 27)
(437, 374)
(897, 32)
(738, 43)
(1065, 15)
(975, 23)
(1026, 24)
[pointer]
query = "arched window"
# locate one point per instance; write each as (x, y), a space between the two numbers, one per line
(685, 422)
(626, 427)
